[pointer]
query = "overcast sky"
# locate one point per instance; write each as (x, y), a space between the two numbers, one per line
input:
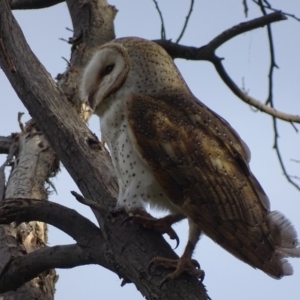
(247, 61)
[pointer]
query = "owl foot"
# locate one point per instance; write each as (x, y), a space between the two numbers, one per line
(182, 265)
(162, 225)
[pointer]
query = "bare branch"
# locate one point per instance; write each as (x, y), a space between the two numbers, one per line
(66, 219)
(268, 6)
(208, 53)
(270, 97)
(242, 28)
(91, 246)
(278, 153)
(248, 99)
(187, 18)
(89, 203)
(163, 30)
(33, 4)
(22, 269)
(245, 4)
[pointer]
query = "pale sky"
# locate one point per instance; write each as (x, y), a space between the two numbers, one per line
(246, 60)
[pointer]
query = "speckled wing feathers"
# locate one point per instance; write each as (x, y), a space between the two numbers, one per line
(202, 165)
(193, 147)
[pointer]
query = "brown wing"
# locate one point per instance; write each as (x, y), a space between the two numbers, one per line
(202, 165)
(197, 155)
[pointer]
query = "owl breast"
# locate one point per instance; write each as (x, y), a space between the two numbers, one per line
(137, 185)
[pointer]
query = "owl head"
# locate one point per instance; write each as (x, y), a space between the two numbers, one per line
(129, 65)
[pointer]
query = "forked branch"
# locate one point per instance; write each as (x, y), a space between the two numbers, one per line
(24, 268)
(66, 219)
(207, 53)
(90, 248)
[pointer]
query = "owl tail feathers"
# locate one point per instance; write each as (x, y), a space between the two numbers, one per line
(284, 237)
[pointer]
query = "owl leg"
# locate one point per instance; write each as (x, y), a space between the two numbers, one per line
(162, 225)
(185, 263)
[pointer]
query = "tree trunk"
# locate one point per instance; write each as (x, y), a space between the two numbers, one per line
(35, 162)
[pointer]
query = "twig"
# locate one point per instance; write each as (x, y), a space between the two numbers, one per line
(295, 177)
(267, 3)
(248, 99)
(187, 18)
(20, 115)
(268, 6)
(163, 31)
(276, 147)
(295, 128)
(295, 160)
(89, 203)
(270, 98)
(68, 63)
(245, 8)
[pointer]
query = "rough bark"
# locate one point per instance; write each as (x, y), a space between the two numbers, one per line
(93, 26)
(89, 249)
(129, 247)
(34, 163)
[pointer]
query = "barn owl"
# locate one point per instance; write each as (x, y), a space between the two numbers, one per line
(172, 152)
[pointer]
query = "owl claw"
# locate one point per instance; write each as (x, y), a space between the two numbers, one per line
(182, 265)
(129, 218)
(166, 279)
(159, 225)
(176, 238)
(150, 265)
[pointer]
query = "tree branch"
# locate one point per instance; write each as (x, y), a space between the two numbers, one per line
(66, 219)
(22, 269)
(33, 4)
(248, 99)
(207, 53)
(228, 34)
(91, 247)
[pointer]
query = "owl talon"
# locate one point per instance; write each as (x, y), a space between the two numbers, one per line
(150, 265)
(129, 218)
(159, 225)
(162, 283)
(182, 265)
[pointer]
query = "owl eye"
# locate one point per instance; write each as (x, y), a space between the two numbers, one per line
(108, 69)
